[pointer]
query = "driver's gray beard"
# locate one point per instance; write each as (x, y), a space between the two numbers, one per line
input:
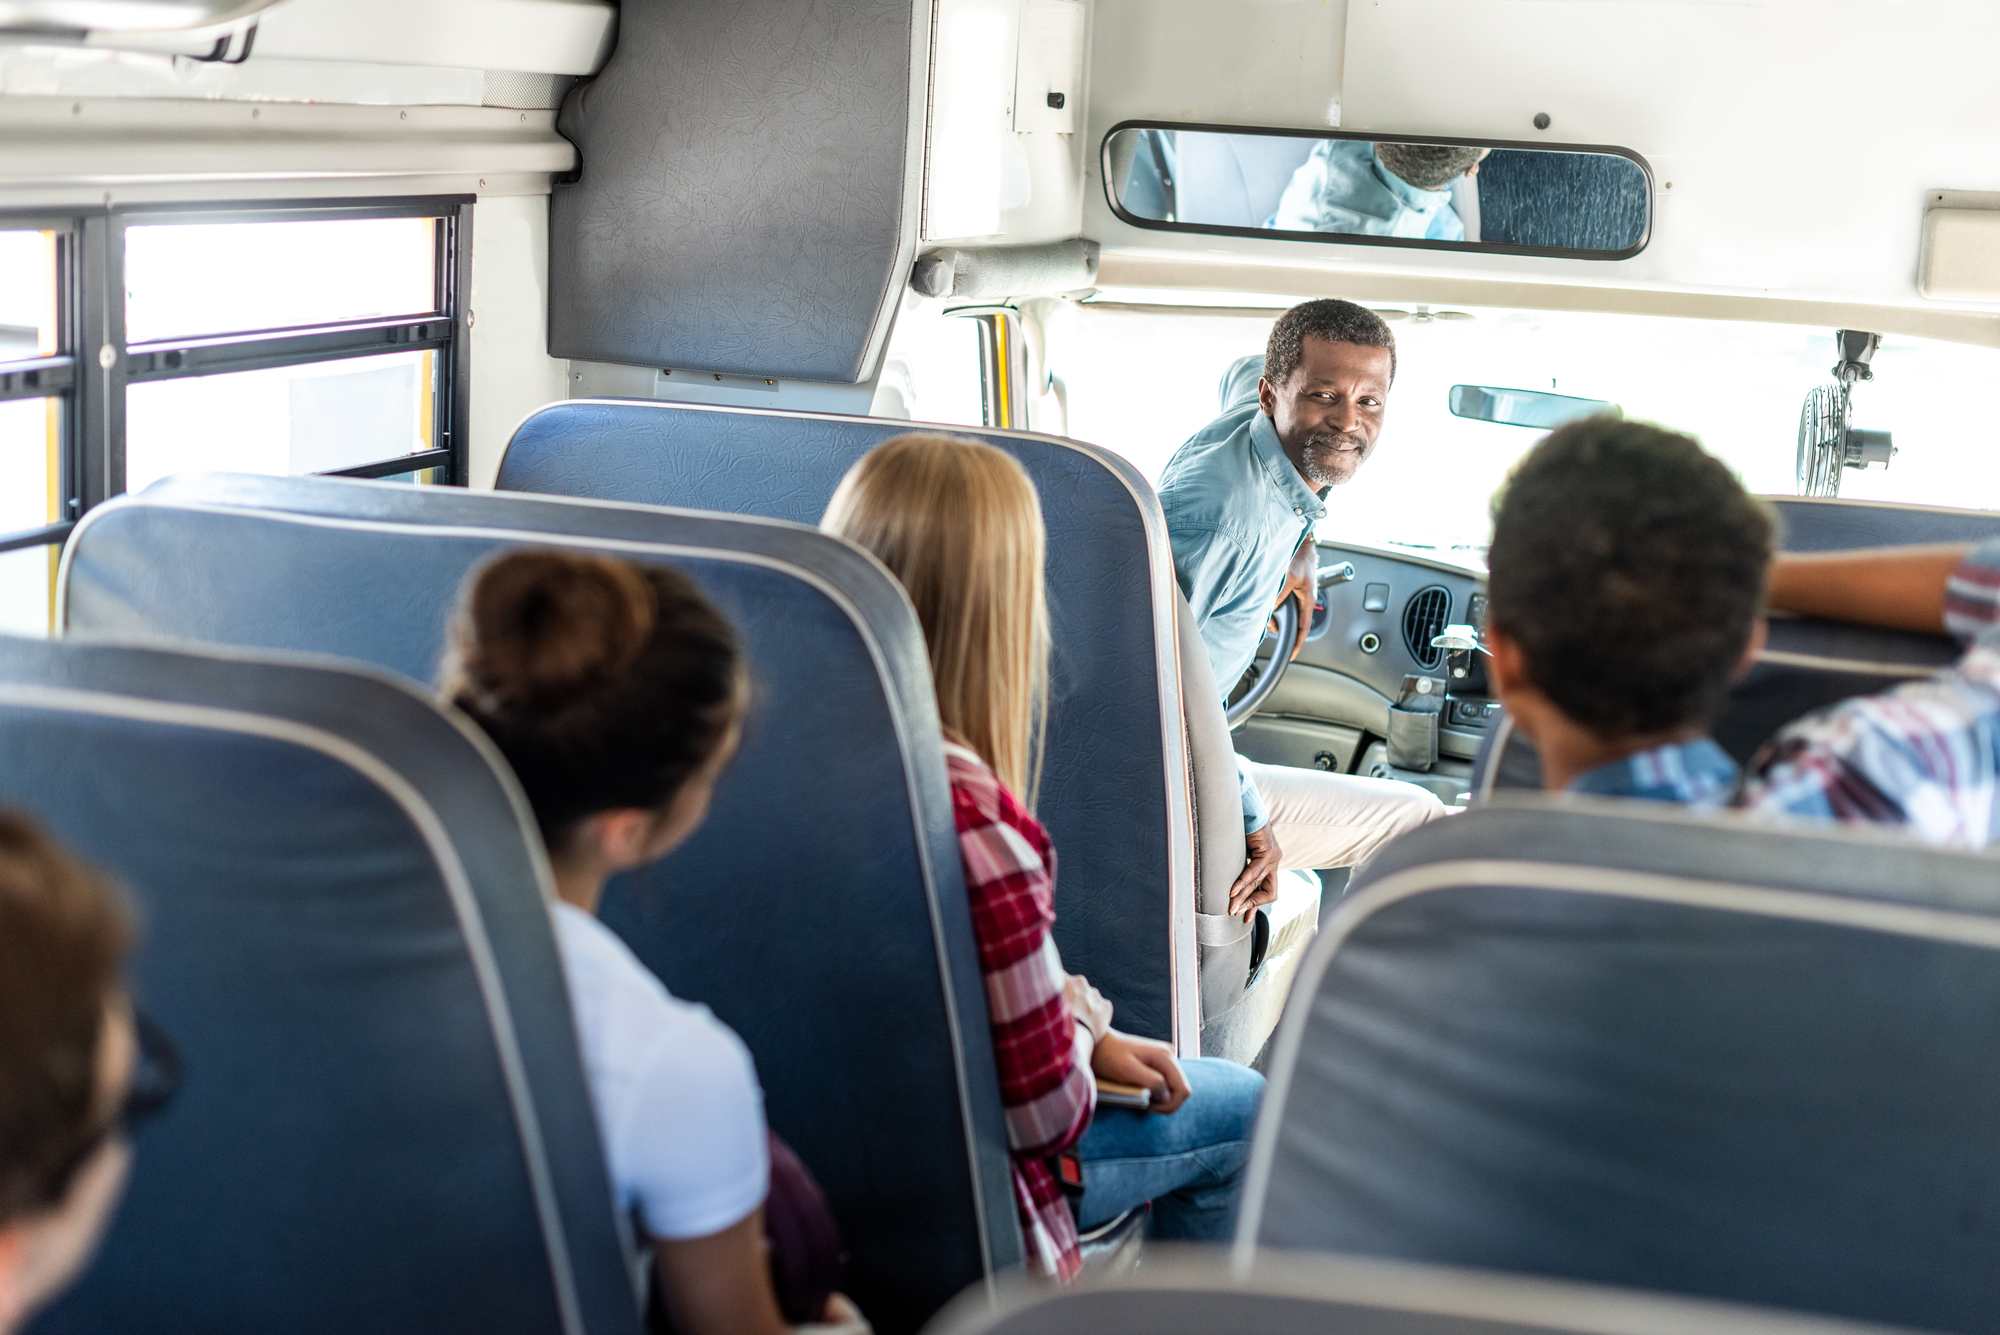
(1315, 473)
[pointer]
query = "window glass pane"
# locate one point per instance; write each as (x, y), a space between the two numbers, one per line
(289, 419)
(27, 590)
(1736, 386)
(931, 370)
(192, 280)
(27, 295)
(28, 477)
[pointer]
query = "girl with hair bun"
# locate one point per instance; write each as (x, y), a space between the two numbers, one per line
(958, 522)
(617, 694)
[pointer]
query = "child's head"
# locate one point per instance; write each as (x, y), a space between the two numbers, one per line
(960, 525)
(612, 688)
(1627, 582)
(1428, 166)
(66, 1061)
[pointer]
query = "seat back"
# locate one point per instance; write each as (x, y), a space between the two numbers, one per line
(1615, 1042)
(1829, 524)
(820, 911)
(383, 1123)
(1189, 1292)
(1114, 784)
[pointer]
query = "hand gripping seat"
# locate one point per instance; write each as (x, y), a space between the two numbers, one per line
(820, 911)
(383, 1122)
(1189, 1291)
(1808, 663)
(1619, 1043)
(1114, 786)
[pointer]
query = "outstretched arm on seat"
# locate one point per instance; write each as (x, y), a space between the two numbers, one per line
(1898, 587)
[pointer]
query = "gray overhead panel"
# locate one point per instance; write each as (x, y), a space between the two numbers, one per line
(748, 197)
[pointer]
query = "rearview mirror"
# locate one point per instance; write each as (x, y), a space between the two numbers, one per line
(1577, 201)
(1524, 407)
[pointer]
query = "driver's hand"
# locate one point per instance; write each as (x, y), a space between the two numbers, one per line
(1301, 582)
(1258, 884)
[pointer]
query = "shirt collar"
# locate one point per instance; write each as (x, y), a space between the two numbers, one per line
(1270, 455)
(1697, 773)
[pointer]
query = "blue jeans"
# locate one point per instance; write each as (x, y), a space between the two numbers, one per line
(1189, 1163)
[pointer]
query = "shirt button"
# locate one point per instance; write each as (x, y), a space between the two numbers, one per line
(1298, 509)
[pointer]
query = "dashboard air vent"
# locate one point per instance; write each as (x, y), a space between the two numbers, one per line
(1424, 618)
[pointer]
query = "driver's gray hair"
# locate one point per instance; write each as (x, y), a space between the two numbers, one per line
(1329, 318)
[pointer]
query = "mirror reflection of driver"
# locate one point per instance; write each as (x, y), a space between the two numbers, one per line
(1241, 498)
(1363, 189)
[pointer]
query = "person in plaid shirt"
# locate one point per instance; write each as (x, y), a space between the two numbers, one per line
(959, 524)
(1925, 755)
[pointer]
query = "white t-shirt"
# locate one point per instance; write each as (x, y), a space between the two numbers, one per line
(678, 1105)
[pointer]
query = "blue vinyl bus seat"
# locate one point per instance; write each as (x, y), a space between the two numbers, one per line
(1620, 1043)
(1114, 784)
(820, 911)
(383, 1122)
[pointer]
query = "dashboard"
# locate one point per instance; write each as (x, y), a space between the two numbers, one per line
(1369, 646)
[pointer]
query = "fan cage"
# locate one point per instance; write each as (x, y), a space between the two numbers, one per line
(1822, 440)
(1424, 618)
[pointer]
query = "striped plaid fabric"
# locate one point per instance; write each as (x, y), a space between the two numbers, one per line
(1925, 755)
(1042, 1052)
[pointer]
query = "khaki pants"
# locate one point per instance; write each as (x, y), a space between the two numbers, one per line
(1338, 820)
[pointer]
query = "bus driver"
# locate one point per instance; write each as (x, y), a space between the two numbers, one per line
(1241, 498)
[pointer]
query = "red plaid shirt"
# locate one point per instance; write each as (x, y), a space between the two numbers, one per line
(1043, 1053)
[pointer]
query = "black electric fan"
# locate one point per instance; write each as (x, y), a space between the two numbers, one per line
(1827, 444)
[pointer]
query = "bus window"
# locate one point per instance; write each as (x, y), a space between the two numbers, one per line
(320, 417)
(1735, 385)
(195, 280)
(309, 340)
(30, 430)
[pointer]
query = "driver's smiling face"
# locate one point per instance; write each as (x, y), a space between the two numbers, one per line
(1328, 412)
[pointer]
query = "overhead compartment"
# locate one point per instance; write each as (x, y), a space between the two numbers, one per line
(750, 186)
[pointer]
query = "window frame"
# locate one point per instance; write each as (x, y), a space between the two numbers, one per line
(58, 375)
(94, 364)
(445, 330)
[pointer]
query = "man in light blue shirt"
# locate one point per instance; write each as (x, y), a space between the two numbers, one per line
(1241, 498)
(1364, 189)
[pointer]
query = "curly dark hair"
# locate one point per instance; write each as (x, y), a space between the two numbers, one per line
(1329, 318)
(1629, 564)
(1427, 166)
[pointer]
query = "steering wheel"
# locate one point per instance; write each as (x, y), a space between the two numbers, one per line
(1262, 678)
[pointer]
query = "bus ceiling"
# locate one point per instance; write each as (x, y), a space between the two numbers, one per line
(758, 207)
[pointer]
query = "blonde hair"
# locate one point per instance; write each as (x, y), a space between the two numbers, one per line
(960, 525)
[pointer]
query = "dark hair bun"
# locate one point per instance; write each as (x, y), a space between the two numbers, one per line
(550, 625)
(607, 684)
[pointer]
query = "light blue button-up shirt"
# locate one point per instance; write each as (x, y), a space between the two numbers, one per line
(1343, 187)
(1236, 511)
